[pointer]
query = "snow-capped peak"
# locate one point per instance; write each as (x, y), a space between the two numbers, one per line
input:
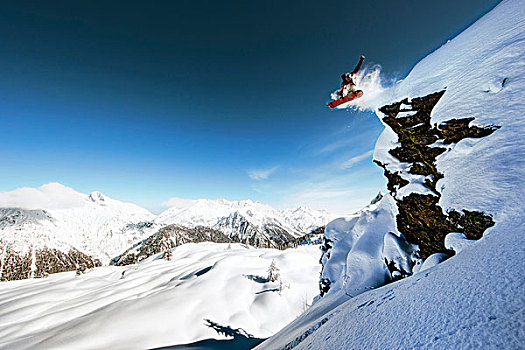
(57, 216)
(210, 213)
(96, 196)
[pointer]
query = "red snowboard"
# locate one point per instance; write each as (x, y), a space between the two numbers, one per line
(351, 96)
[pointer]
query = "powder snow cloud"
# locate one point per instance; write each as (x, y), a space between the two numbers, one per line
(261, 174)
(371, 82)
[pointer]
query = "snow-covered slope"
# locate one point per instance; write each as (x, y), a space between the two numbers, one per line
(56, 216)
(230, 216)
(476, 299)
(161, 303)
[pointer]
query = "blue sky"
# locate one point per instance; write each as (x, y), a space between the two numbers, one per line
(145, 101)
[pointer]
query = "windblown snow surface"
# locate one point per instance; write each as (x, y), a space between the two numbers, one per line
(475, 299)
(159, 303)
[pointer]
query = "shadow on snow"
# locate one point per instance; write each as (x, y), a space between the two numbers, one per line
(241, 340)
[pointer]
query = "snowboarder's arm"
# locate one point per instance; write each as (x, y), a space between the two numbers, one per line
(358, 67)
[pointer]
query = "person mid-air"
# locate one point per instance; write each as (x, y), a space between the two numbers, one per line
(348, 91)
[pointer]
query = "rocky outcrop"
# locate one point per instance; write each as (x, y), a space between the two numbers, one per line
(390, 239)
(421, 220)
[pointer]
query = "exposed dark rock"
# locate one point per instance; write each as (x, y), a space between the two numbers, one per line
(324, 283)
(326, 246)
(471, 223)
(377, 198)
(421, 220)
(396, 272)
(395, 181)
(324, 286)
(454, 130)
(415, 134)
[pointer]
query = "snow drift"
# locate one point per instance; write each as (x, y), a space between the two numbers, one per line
(161, 302)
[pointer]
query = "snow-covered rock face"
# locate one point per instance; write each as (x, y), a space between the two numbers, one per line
(95, 224)
(351, 258)
(221, 221)
(17, 216)
(465, 172)
(418, 151)
(417, 225)
(96, 196)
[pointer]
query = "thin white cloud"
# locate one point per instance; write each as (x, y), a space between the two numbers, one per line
(336, 195)
(261, 174)
(181, 203)
(49, 196)
(352, 161)
(334, 146)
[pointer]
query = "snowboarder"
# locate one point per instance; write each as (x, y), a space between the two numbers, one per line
(348, 91)
(348, 84)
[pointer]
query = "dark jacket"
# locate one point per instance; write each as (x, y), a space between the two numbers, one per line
(356, 69)
(350, 78)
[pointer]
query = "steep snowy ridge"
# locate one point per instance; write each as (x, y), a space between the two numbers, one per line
(452, 150)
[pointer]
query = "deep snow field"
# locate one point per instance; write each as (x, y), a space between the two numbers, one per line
(159, 303)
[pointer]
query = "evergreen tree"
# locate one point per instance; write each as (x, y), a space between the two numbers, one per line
(273, 272)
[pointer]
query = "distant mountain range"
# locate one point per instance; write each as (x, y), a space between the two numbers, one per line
(71, 230)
